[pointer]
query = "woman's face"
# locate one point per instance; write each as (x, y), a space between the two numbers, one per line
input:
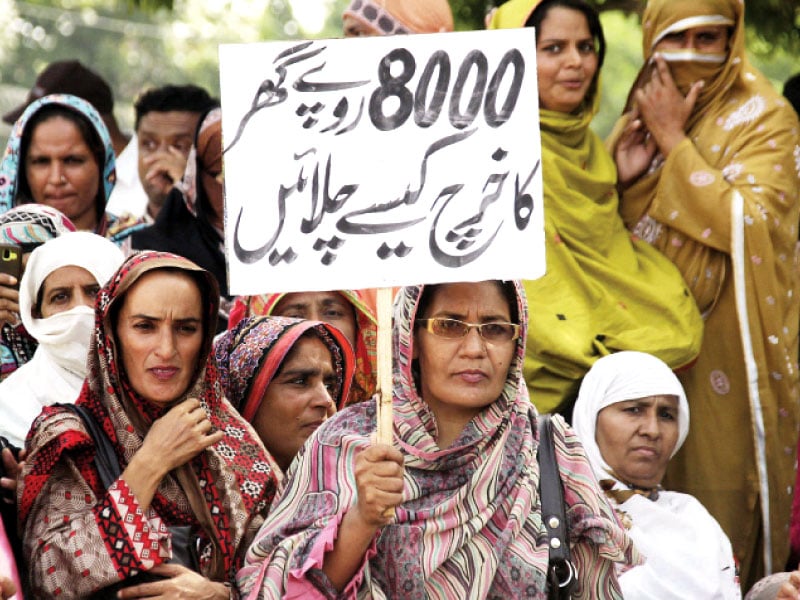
(709, 39)
(328, 307)
(62, 172)
(636, 438)
(298, 399)
(65, 288)
(160, 334)
(566, 59)
(459, 377)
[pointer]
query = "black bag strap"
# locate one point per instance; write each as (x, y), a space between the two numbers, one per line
(551, 492)
(105, 458)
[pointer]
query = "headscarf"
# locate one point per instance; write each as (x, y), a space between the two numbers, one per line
(249, 355)
(688, 555)
(12, 167)
(31, 225)
(205, 155)
(604, 290)
(365, 377)
(616, 378)
(389, 17)
(242, 474)
(58, 368)
(28, 225)
(469, 525)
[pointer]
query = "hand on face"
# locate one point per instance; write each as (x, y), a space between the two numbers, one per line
(162, 170)
(664, 110)
(180, 583)
(379, 477)
(180, 435)
(635, 151)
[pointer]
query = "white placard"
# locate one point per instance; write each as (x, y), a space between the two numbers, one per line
(381, 161)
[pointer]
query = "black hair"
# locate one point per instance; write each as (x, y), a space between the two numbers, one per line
(506, 288)
(592, 18)
(168, 98)
(791, 91)
(90, 137)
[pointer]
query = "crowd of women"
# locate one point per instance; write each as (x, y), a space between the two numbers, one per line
(155, 450)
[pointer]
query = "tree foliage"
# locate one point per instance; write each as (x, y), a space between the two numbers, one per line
(776, 23)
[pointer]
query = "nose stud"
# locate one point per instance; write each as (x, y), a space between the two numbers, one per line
(63, 179)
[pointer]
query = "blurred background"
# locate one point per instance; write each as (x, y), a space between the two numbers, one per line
(135, 44)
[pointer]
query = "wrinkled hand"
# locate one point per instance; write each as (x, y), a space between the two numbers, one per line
(13, 470)
(9, 299)
(379, 477)
(164, 169)
(663, 108)
(791, 589)
(634, 151)
(180, 435)
(182, 583)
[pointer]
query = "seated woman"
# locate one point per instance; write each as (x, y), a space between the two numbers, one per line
(632, 417)
(285, 376)
(604, 290)
(188, 458)
(56, 300)
(349, 311)
(452, 511)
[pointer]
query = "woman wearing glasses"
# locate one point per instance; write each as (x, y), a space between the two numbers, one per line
(450, 510)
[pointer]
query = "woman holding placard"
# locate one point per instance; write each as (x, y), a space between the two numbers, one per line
(604, 291)
(451, 510)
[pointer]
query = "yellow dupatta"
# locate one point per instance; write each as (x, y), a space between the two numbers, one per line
(604, 291)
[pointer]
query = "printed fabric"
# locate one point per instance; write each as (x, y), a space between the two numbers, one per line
(470, 524)
(80, 537)
(365, 382)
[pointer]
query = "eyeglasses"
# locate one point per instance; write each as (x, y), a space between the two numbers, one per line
(453, 329)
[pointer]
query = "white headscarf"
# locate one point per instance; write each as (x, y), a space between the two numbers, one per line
(688, 555)
(618, 377)
(58, 368)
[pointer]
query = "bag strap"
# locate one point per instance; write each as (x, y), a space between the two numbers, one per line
(106, 459)
(551, 492)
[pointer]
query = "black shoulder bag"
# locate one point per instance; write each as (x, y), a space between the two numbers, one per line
(561, 573)
(184, 543)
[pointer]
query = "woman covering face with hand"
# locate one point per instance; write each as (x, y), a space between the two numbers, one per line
(719, 197)
(455, 494)
(604, 291)
(187, 458)
(286, 377)
(632, 417)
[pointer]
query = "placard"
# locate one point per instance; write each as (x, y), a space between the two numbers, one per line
(381, 161)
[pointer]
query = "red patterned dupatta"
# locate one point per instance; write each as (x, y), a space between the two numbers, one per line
(241, 476)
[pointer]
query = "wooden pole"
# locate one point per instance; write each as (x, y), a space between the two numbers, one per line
(385, 421)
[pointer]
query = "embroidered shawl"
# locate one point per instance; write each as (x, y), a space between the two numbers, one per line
(364, 383)
(249, 355)
(80, 537)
